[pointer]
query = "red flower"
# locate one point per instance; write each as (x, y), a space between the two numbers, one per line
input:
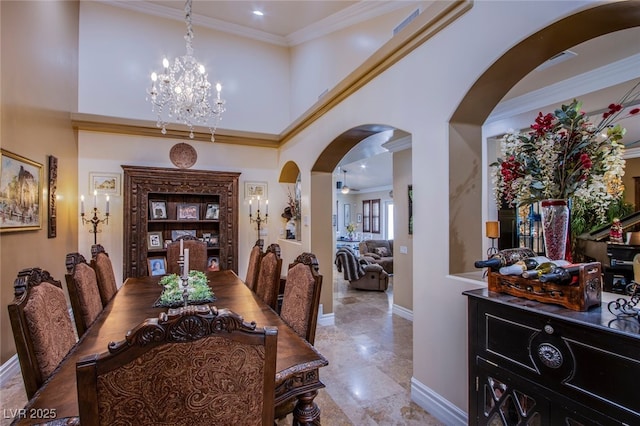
(634, 111)
(543, 123)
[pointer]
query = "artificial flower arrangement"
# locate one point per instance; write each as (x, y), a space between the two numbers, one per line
(198, 288)
(351, 228)
(566, 156)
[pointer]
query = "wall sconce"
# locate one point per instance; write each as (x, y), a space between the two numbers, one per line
(492, 231)
(95, 220)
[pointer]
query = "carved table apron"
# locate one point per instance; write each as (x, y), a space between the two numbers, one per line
(297, 363)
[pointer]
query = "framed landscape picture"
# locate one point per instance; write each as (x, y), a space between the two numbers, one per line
(104, 183)
(20, 193)
(188, 212)
(254, 190)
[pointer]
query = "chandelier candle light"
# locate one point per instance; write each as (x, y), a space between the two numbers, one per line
(182, 90)
(95, 220)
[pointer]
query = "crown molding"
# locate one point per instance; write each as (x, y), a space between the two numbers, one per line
(352, 15)
(600, 78)
(349, 16)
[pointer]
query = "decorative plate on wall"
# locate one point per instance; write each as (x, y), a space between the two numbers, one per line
(183, 155)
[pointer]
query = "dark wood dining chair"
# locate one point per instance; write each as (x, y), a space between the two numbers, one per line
(301, 299)
(300, 305)
(84, 293)
(101, 263)
(191, 366)
(197, 254)
(41, 324)
(268, 283)
(254, 266)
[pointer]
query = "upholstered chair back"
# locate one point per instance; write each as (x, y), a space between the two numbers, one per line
(254, 266)
(197, 255)
(41, 324)
(301, 298)
(84, 293)
(101, 263)
(216, 369)
(268, 283)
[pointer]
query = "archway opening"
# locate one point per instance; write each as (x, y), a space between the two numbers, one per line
(465, 127)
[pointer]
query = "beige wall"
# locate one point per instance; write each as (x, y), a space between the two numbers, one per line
(39, 88)
(631, 170)
(402, 262)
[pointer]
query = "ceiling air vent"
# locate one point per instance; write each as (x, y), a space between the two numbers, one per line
(404, 23)
(556, 59)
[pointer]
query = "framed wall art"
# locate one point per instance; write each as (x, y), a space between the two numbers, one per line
(104, 183)
(254, 190)
(20, 193)
(177, 233)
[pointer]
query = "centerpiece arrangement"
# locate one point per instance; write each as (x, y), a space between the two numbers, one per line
(566, 159)
(172, 293)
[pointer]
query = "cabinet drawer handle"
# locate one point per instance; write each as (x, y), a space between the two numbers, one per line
(550, 355)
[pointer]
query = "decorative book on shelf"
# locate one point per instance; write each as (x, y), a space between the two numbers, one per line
(580, 296)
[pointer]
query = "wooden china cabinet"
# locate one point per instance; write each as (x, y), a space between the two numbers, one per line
(188, 198)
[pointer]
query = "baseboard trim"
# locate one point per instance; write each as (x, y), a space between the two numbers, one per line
(9, 369)
(402, 312)
(436, 405)
(325, 319)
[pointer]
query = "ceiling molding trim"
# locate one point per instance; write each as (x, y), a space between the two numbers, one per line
(398, 144)
(631, 153)
(349, 16)
(105, 124)
(199, 20)
(374, 189)
(597, 79)
(430, 22)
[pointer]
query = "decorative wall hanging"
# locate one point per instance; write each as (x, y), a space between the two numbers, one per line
(183, 155)
(104, 183)
(20, 193)
(53, 184)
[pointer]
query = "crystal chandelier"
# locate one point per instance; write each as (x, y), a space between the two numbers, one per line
(182, 91)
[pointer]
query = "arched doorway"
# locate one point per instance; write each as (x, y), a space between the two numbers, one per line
(465, 127)
(322, 190)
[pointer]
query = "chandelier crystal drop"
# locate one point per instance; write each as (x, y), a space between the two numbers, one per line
(181, 92)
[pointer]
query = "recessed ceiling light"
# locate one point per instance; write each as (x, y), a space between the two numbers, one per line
(258, 13)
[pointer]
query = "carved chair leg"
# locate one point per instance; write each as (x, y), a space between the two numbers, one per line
(306, 411)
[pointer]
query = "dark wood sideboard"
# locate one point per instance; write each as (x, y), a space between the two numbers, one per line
(541, 364)
(175, 188)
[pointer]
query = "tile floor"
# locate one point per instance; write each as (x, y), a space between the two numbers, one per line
(370, 365)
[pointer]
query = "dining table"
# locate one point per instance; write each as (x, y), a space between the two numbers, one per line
(297, 363)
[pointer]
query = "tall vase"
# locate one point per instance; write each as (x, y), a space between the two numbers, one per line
(555, 227)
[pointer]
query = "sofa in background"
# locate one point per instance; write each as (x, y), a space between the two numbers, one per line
(360, 273)
(379, 252)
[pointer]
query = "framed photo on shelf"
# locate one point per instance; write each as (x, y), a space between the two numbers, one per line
(157, 209)
(214, 240)
(154, 241)
(21, 186)
(213, 263)
(177, 233)
(157, 265)
(104, 183)
(213, 211)
(254, 190)
(188, 211)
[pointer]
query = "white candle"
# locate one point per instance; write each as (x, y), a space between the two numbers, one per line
(82, 204)
(181, 247)
(107, 204)
(249, 207)
(267, 208)
(186, 263)
(95, 199)
(258, 203)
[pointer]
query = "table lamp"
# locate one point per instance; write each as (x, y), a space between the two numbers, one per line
(492, 231)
